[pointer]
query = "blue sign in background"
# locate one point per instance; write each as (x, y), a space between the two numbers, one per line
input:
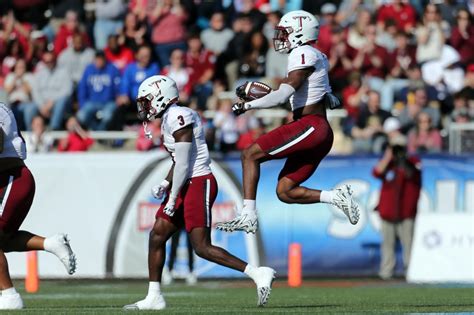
(330, 244)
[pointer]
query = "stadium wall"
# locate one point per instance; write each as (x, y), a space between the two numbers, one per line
(102, 200)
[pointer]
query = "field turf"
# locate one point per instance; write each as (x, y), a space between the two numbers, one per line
(239, 297)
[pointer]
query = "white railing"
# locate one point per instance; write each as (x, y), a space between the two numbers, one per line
(96, 135)
(461, 138)
(132, 135)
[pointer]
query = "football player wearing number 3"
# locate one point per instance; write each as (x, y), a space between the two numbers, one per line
(191, 191)
(303, 142)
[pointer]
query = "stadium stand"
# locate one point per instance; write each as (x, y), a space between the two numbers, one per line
(416, 56)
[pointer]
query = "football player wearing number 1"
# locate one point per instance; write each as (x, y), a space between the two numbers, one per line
(17, 189)
(303, 142)
(191, 191)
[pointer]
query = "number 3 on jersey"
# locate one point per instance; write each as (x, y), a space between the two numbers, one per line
(181, 120)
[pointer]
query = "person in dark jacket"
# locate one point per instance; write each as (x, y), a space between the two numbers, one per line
(401, 186)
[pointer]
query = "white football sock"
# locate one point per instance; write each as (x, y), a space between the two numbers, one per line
(154, 288)
(326, 196)
(250, 270)
(249, 206)
(47, 245)
(9, 291)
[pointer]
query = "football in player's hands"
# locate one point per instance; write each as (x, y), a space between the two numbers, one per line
(250, 91)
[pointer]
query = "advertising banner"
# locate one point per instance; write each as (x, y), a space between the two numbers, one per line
(443, 248)
(103, 201)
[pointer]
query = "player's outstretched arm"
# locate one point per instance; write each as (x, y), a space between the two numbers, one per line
(183, 145)
(279, 97)
(272, 99)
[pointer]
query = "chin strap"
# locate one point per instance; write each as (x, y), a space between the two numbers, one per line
(147, 131)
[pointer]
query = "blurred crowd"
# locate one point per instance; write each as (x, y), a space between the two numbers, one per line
(398, 66)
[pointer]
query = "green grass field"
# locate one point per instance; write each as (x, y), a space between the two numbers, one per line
(238, 297)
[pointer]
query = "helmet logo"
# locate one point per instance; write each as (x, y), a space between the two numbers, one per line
(300, 19)
(156, 83)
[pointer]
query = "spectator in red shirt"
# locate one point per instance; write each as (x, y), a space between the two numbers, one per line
(402, 57)
(424, 138)
(119, 55)
(399, 61)
(168, 29)
(401, 186)
(14, 52)
(371, 60)
(353, 94)
(462, 36)
(402, 13)
(67, 30)
(201, 61)
(77, 140)
(328, 21)
(339, 61)
(180, 74)
(11, 28)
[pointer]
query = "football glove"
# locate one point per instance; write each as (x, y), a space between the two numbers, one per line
(238, 108)
(158, 191)
(240, 92)
(332, 102)
(169, 208)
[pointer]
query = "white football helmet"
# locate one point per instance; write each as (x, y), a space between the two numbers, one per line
(155, 94)
(295, 29)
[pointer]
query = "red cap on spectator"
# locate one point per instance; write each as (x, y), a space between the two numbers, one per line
(470, 68)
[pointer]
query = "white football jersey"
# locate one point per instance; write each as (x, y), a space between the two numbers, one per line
(317, 84)
(13, 144)
(177, 117)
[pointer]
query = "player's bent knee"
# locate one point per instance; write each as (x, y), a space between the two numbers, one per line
(156, 239)
(252, 153)
(284, 192)
(284, 197)
(246, 154)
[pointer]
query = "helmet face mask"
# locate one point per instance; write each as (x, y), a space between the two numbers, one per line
(146, 112)
(280, 41)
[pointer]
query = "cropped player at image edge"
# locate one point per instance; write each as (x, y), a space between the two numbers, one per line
(17, 190)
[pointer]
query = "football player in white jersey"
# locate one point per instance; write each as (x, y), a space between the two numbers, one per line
(191, 190)
(303, 142)
(17, 189)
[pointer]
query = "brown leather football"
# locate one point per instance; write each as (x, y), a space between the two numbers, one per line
(253, 90)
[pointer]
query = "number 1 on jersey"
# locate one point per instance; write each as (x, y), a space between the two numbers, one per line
(302, 59)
